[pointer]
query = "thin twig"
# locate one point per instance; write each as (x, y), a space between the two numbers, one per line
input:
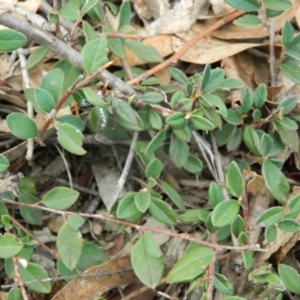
(107, 217)
(18, 279)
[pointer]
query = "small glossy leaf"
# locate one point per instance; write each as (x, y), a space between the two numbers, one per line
(234, 179)
(69, 245)
(144, 52)
(154, 168)
(247, 5)
(35, 272)
(193, 164)
(9, 245)
(173, 194)
(271, 215)
(289, 225)
(147, 261)
(21, 125)
(70, 138)
(94, 54)
(72, 120)
(191, 265)
(225, 212)
(60, 198)
(44, 101)
(11, 40)
(162, 212)
(221, 283)
(125, 111)
(290, 278)
(4, 163)
(142, 200)
(36, 57)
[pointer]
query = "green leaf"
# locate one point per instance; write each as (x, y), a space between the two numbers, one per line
(91, 255)
(224, 134)
(36, 57)
(234, 179)
(11, 40)
(294, 205)
(289, 225)
(53, 83)
(153, 97)
(238, 226)
(278, 5)
(75, 222)
(147, 261)
(290, 278)
(191, 265)
(43, 100)
(271, 233)
(247, 21)
(14, 294)
(251, 140)
(72, 120)
(271, 215)
(154, 168)
(272, 175)
(215, 195)
(144, 52)
(179, 151)
(142, 200)
(94, 54)
(221, 283)
(176, 120)
(115, 45)
(201, 123)
(287, 34)
(88, 6)
(127, 209)
(292, 71)
(173, 194)
(69, 245)
(194, 215)
(124, 14)
(29, 214)
(35, 272)
(178, 75)
(9, 245)
(184, 134)
(60, 198)
(89, 31)
(234, 298)
(288, 104)
(193, 164)
(93, 98)
(70, 138)
(162, 212)
(231, 83)
(248, 100)
(155, 120)
(248, 259)
(21, 126)
(266, 144)
(212, 79)
(4, 163)
(247, 5)
(224, 213)
(156, 142)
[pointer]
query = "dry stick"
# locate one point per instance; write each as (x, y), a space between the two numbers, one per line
(184, 236)
(173, 59)
(18, 278)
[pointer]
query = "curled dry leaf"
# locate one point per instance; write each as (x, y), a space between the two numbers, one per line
(111, 274)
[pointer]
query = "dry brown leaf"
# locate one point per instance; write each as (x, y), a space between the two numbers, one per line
(231, 31)
(162, 43)
(209, 49)
(90, 287)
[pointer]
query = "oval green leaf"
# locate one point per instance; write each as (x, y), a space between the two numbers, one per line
(21, 126)
(11, 40)
(224, 213)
